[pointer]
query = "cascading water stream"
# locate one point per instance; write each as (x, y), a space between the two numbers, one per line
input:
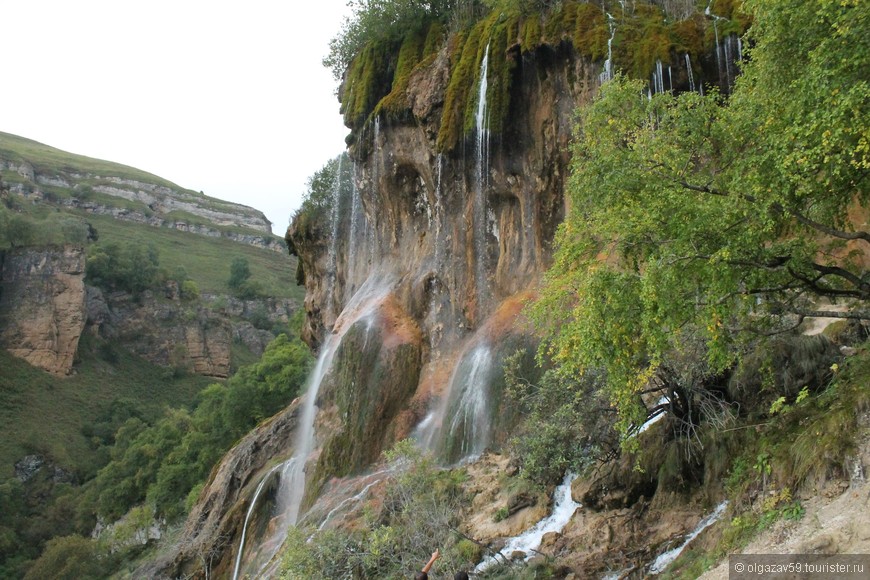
(251, 507)
(480, 213)
(291, 489)
(333, 240)
(468, 423)
(375, 478)
(607, 73)
(691, 76)
(564, 507)
(664, 560)
(354, 243)
(728, 74)
(370, 231)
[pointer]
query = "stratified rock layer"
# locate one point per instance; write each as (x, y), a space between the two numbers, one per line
(42, 305)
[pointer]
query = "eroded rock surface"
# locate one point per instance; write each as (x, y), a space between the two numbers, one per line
(42, 305)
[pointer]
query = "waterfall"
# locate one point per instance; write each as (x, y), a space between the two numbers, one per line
(334, 219)
(356, 214)
(728, 74)
(564, 507)
(468, 419)
(480, 214)
(291, 488)
(664, 560)
(660, 78)
(607, 73)
(439, 214)
(371, 480)
(370, 232)
(691, 76)
(260, 487)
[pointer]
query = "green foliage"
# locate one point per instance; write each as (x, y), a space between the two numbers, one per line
(240, 272)
(164, 462)
(378, 21)
(127, 267)
(189, 290)
(565, 428)
(318, 201)
(689, 220)
(69, 558)
(421, 508)
(19, 231)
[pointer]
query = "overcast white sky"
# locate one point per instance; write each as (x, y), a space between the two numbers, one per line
(228, 98)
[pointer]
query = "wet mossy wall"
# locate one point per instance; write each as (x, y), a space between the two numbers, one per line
(371, 381)
(377, 80)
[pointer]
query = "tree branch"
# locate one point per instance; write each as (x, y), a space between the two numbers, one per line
(843, 235)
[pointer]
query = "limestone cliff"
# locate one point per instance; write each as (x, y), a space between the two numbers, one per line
(42, 305)
(45, 307)
(461, 242)
(47, 175)
(195, 337)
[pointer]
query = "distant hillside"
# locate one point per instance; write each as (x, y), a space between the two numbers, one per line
(44, 174)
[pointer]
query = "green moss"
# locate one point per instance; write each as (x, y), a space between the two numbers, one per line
(462, 55)
(395, 104)
(369, 386)
(378, 77)
(531, 34)
(434, 39)
(369, 79)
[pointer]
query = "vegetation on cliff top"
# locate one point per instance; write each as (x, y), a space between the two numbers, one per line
(383, 43)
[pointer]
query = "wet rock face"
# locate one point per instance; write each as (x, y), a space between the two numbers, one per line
(42, 305)
(375, 372)
(212, 533)
(463, 236)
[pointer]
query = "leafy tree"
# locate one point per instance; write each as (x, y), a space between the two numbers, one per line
(240, 272)
(698, 224)
(69, 558)
(19, 231)
(568, 421)
(129, 267)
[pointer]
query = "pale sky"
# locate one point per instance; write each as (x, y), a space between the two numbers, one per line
(228, 98)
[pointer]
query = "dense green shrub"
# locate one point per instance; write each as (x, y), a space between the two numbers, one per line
(420, 511)
(129, 267)
(164, 461)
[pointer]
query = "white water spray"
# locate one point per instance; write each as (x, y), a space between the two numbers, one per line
(664, 560)
(607, 73)
(691, 76)
(334, 219)
(529, 541)
(480, 214)
(251, 507)
(468, 403)
(291, 489)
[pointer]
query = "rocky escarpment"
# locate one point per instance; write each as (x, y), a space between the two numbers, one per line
(42, 305)
(213, 529)
(460, 235)
(196, 337)
(45, 307)
(46, 175)
(157, 220)
(420, 204)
